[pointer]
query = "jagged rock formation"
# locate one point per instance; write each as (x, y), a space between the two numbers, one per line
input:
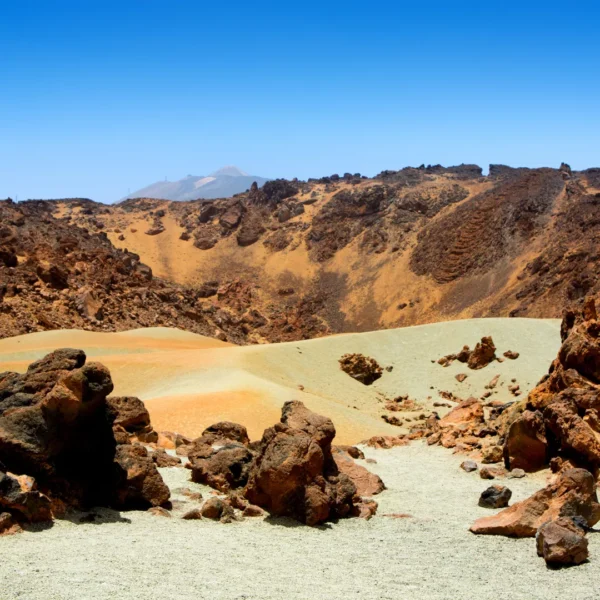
(561, 420)
(57, 445)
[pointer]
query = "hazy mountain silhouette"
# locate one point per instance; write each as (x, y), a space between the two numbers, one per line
(221, 184)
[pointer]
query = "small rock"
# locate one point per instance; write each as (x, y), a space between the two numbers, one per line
(492, 454)
(489, 472)
(561, 542)
(159, 511)
(193, 515)
(496, 496)
(511, 354)
(469, 466)
(460, 377)
(516, 474)
(253, 511)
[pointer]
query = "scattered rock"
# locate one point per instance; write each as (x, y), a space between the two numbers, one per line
(512, 355)
(491, 454)
(489, 472)
(360, 367)
(469, 466)
(561, 542)
(496, 496)
(460, 377)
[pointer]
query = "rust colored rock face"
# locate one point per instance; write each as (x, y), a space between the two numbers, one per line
(563, 420)
(526, 446)
(294, 473)
(129, 412)
(20, 496)
(573, 494)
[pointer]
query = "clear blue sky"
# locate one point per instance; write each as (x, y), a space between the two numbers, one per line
(102, 96)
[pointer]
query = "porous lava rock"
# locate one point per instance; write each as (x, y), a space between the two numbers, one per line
(362, 368)
(573, 494)
(367, 483)
(56, 427)
(295, 474)
(562, 420)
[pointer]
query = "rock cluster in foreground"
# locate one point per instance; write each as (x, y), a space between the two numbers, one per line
(58, 448)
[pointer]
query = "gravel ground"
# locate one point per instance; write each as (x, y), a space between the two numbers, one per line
(429, 555)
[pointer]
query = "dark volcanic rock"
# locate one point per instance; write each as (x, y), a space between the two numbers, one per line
(56, 426)
(496, 496)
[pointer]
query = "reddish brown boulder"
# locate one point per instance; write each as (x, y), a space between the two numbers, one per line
(161, 459)
(483, 354)
(128, 412)
(19, 496)
(511, 354)
(526, 446)
(217, 510)
(360, 367)
(367, 483)
(141, 484)
(469, 411)
(294, 473)
(572, 494)
(562, 542)
(227, 467)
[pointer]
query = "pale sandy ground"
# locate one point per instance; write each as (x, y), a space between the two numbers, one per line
(430, 555)
(189, 382)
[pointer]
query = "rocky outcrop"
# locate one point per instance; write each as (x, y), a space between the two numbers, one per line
(362, 368)
(56, 427)
(294, 473)
(563, 416)
(573, 494)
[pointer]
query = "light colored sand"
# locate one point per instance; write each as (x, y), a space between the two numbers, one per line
(429, 556)
(189, 382)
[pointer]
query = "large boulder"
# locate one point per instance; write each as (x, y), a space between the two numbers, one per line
(483, 354)
(57, 427)
(573, 494)
(294, 473)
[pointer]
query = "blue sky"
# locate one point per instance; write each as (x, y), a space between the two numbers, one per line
(99, 97)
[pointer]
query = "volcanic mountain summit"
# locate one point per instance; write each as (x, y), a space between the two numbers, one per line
(224, 182)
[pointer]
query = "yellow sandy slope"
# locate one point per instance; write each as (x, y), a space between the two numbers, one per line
(189, 382)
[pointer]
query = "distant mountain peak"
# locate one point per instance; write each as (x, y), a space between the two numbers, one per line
(223, 183)
(230, 170)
